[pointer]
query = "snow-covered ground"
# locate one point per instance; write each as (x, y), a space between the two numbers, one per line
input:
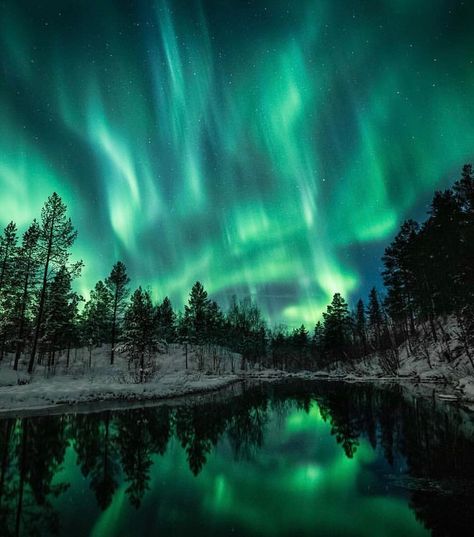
(443, 364)
(425, 367)
(441, 368)
(81, 383)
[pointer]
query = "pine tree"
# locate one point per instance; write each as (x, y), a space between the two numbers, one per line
(56, 237)
(247, 330)
(117, 283)
(139, 337)
(26, 266)
(215, 323)
(375, 317)
(166, 321)
(361, 326)
(300, 340)
(182, 335)
(464, 279)
(8, 243)
(7, 251)
(464, 192)
(444, 253)
(401, 275)
(300, 337)
(317, 342)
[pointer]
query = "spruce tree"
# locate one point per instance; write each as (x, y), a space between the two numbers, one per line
(139, 337)
(196, 314)
(300, 337)
(337, 327)
(117, 283)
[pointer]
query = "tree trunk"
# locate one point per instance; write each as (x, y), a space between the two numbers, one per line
(21, 329)
(433, 328)
(114, 322)
(465, 341)
(42, 300)
(2, 351)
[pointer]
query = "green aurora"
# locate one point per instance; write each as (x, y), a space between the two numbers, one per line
(266, 147)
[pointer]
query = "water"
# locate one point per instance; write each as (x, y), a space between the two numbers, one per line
(322, 459)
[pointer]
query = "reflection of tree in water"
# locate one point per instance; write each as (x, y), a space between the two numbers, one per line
(141, 433)
(7, 443)
(134, 444)
(199, 429)
(427, 439)
(441, 461)
(35, 449)
(97, 454)
(345, 425)
(246, 428)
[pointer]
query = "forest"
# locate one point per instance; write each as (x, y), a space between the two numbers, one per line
(428, 277)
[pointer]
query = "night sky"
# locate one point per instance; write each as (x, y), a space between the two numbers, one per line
(267, 148)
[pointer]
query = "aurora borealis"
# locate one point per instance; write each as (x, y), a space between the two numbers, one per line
(265, 147)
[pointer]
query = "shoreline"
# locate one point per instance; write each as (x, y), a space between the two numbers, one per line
(28, 401)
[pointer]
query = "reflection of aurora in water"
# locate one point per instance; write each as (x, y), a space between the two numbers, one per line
(284, 466)
(259, 148)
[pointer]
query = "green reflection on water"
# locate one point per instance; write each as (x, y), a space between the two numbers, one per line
(300, 482)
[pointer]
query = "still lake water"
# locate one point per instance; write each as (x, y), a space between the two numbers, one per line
(326, 459)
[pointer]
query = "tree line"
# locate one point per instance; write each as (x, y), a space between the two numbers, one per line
(428, 274)
(41, 317)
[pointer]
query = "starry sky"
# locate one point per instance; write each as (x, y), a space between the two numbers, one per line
(268, 148)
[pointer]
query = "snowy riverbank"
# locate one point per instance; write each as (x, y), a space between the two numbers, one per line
(91, 379)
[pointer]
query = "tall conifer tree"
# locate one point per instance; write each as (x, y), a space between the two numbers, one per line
(56, 237)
